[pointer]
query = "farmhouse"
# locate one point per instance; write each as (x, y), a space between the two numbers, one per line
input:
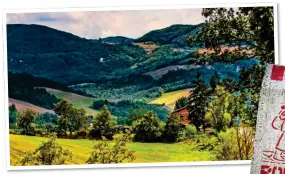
(182, 114)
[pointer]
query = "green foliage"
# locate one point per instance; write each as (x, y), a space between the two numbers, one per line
(105, 122)
(37, 96)
(235, 144)
(250, 82)
(98, 104)
(214, 81)
(148, 129)
(134, 115)
(197, 103)
(106, 153)
(173, 129)
(46, 118)
(180, 103)
(204, 142)
(25, 121)
(219, 113)
(48, 153)
(71, 119)
(247, 28)
(47, 122)
(13, 115)
(190, 131)
(122, 109)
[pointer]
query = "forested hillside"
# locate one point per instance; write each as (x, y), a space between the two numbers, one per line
(112, 68)
(175, 34)
(32, 47)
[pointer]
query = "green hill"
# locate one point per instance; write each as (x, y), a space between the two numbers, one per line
(61, 56)
(175, 34)
(78, 101)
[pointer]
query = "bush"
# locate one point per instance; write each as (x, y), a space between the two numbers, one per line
(81, 134)
(190, 131)
(148, 128)
(235, 144)
(48, 153)
(105, 153)
(94, 134)
(204, 142)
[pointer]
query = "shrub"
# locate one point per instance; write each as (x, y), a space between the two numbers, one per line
(235, 144)
(81, 134)
(94, 134)
(48, 153)
(190, 131)
(204, 142)
(105, 153)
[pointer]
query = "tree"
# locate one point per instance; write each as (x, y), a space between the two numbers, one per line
(71, 119)
(148, 129)
(229, 35)
(77, 120)
(25, 121)
(180, 103)
(105, 122)
(172, 129)
(62, 109)
(48, 153)
(197, 103)
(218, 114)
(248, 32)
(106, 153)
(250, 83)
(134, 115)
(214, 80)
(13, 114)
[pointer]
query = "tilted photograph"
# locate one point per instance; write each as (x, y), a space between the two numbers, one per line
(135, 86)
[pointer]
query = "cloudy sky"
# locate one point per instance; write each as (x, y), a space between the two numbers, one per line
(109, 23)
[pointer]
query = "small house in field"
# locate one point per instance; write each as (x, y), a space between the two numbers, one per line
(182, 115)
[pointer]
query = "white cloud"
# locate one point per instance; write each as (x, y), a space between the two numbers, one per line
(109, 23)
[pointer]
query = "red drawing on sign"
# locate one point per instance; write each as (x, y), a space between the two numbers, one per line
(279, 124)
(274, 160)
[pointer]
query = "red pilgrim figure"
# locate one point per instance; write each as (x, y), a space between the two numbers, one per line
(279, 124)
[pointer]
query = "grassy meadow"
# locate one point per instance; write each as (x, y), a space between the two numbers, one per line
(170, 98)
(78, 101)
(144, 152)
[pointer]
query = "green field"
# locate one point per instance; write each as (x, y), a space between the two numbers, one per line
(170, 98)
(78, 101)
(81, 149)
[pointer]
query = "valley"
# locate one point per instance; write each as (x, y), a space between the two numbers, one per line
(136, 86)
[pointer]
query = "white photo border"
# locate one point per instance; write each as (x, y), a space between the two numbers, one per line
(119, 8)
